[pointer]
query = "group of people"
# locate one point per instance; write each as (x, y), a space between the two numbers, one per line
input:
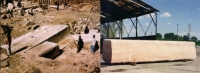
(94, 46)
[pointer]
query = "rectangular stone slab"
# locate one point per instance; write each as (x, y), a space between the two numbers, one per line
(43, 48)
(36, 37)
(120, 51)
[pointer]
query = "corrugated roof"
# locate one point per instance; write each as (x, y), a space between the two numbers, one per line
(114, 10)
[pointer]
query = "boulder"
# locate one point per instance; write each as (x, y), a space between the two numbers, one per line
(61, 7)
(86, 8)
(4, 64)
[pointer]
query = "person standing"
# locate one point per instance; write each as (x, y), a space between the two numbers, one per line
(86, 31)
(92, 47)
(19, 3)
(7, 31)
(57, 4)
(80, 44)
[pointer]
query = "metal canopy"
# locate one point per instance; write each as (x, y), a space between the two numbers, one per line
(114, 10)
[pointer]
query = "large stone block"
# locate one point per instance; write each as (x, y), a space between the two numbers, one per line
(119, 51)
(36, 37)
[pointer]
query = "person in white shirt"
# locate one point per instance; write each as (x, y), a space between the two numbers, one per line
(92, 47)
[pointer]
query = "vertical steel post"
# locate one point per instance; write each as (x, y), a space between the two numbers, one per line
(156, 24)
(136, 27)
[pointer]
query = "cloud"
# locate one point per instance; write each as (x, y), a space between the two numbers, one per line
(141, 17)
(147, 24)
(166, 14)
(198, 8)
(191, 19)
(148, 15)
(169, 23)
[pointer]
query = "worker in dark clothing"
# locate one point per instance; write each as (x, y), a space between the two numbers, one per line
(19, 3)
(57, 4)
(80, 44)
(86, 31)
(7, 31)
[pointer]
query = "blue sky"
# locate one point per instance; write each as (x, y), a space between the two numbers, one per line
(172, 12)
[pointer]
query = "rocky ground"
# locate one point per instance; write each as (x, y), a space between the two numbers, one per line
(77, 16)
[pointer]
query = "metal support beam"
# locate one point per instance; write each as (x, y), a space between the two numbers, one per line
(108, 31)
(136, 27)
(156, 24)
(132, 26)
(119, 29)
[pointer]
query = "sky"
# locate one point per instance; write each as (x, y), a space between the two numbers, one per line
(171, 13)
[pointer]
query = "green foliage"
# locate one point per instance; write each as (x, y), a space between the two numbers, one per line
(197, 43)
(193, 38)
(185, 38)
(158, 36)
(172, 36)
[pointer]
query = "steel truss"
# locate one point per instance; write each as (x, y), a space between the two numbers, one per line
(135, 24)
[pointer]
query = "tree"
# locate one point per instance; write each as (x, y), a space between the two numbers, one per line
(193, 38)
(180, 37)
(169, 36)
(158, 36)
(175, 37)
(185, 38)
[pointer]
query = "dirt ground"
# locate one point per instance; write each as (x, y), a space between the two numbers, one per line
(155, 67)
(69, 61)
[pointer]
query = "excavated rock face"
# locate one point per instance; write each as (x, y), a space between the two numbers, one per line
(79, 26)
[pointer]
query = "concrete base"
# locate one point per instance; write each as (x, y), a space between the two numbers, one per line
(119, 51)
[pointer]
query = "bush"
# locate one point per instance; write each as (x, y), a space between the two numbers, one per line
(197, 43)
